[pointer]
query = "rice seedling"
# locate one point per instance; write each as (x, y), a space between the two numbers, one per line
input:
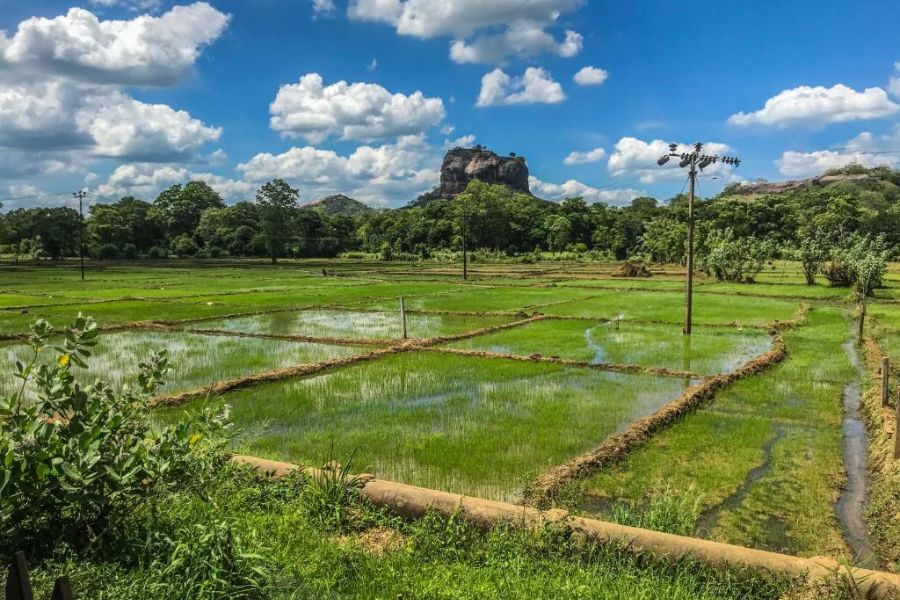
(473, 426)
(353, 324)
(198, 359)
(708, 351)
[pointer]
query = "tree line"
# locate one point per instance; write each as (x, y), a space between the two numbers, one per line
(192, 220)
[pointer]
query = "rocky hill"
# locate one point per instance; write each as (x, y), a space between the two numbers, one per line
(462, 165)
(339, 204)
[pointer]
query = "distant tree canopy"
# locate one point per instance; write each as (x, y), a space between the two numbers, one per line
(193, 220)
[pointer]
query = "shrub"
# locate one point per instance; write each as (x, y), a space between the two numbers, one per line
(157, 252)
(184, 246)
(215, 252)
(731, 258)
(76, 461)
(129, 251)
(108, 252)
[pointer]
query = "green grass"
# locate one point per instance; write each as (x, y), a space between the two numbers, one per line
(353, 324)
(473, 426)
(488, 299)
(196, 359)
(707, 351)
(785, 423)
(372, 555)
(713, 309)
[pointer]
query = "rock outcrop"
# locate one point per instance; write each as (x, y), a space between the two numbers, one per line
(462, 165)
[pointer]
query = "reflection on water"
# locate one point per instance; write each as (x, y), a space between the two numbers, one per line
(352, 324)
(707, 351)
(196, 360)
(484, 428)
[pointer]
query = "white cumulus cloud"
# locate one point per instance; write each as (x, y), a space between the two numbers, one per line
(521, 40)
(522, 25)
(819, 104)
(378, 175)
(104, 122)
(591, 156)
(147, 180)
(535, 86)
(145, 50)
(632, 157)
(574, 188)
(352, 111)
(865, 149)
(894, 81)
(590, 76)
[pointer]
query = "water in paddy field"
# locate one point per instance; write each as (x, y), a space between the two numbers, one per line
(352, 324)
(710, 351)
(480, 427)
(196, 360)
(851, 504)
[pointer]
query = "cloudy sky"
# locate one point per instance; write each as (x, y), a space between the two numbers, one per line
(127, 97)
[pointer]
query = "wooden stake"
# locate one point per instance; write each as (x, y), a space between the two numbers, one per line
(885, 379)
(403, 316)
(897, 428)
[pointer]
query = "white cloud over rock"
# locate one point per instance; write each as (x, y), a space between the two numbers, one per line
(574, 188)
(865, 149)
(535, 86)
(145, 50)
(522, 25)
(354, 111)
(632, 157)
(591, 156)
(590, 76)
(819, 104)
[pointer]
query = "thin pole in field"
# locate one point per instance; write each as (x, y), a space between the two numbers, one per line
(80, 195)
(897, 428)
(885, 376)
(403, 315)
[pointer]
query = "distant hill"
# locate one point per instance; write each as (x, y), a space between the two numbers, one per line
(878, 179)
(339, 204)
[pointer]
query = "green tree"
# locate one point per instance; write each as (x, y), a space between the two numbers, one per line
(812, 252)
(665, 240)
(277, 202)
(177, 210)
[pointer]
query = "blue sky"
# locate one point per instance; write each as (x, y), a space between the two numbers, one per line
(363, 97)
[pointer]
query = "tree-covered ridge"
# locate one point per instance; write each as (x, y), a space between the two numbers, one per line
(193, 220)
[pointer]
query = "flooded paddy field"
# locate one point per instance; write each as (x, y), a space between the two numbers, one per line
(762, 464)
(709, 351)
(196, 360)
(477, 427)
(379, 325)
(770, 461)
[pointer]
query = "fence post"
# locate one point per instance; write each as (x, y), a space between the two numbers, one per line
(885, 379)
(897, 428)
(61, 589)
(403, 316)
(18, 584)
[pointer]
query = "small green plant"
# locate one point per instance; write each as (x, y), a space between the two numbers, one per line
(664, 511)
(75, 461)
(331, 492)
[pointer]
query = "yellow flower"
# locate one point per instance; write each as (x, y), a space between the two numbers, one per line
(196, 437)
(64, 360)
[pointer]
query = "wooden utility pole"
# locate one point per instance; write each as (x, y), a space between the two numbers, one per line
(689, 287)
(695, 160)
(80, 195)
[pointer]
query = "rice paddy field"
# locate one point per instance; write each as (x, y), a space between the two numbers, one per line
(503, 377)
